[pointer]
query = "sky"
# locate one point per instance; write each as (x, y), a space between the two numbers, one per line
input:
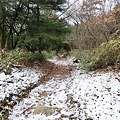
(74, 6)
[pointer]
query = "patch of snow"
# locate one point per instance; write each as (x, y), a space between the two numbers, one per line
(63, 61)
(17, 81)
(95, 95)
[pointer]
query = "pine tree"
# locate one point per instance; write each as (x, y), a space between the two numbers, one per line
(32, 20)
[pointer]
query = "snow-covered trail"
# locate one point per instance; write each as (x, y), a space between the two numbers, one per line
(80, 96)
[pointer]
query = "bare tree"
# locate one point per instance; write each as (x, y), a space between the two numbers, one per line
(94, 22)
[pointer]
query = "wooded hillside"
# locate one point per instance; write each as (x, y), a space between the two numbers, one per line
(33, 29)
(94, 25)
(31, 24)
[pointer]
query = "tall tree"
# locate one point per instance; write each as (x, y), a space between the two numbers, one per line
(19, 14)
(48, 34)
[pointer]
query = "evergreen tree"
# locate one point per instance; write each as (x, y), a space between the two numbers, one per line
(48, 34)
(27, 20)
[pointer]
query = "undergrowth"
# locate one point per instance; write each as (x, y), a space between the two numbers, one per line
(106, 54)
(18, 57)
(75, 53)
(49, 54)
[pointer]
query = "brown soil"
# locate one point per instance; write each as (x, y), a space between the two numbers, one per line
(112, 68)
(52, 70)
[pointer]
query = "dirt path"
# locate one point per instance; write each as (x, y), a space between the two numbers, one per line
(49, 69)
(52, 70)
(71, 95)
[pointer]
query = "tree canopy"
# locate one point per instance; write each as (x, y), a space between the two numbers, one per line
(31, 24)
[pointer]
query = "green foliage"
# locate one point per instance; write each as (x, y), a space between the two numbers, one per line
(53, 4)
(48, 34)
(43, 42)
(5, 67)
(49, 54)
(31, 19)
(106, 54)
(75, 52)
(24, 57)
(1, 12)
(18, 56)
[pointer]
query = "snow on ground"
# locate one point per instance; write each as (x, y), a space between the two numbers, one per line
(95, 95)
(17, 81)
(62, 61)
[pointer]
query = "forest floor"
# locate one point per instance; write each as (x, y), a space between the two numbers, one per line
(57, 90)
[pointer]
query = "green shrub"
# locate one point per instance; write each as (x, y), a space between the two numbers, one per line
(106, 54)
(49, 54)
(18, 56)
(75, 52)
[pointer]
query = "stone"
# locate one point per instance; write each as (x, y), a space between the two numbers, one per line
(45, 110)
(69, 98)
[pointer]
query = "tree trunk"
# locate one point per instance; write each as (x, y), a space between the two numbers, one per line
(7, 44)
(0, 41)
